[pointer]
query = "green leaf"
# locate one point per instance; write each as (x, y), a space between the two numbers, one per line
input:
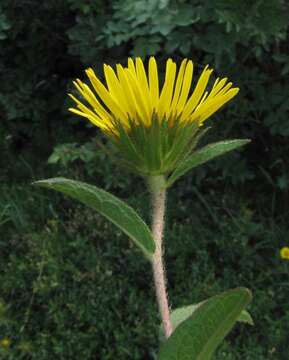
(246, 318)
(181, 314)
(177, 317)
(198, 337)
(115, 210)
(203, 155)
(53, 158)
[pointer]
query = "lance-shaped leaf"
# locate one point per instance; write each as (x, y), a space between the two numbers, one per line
(198, 337)
(114, 209)
(181, 314)
(203, 155)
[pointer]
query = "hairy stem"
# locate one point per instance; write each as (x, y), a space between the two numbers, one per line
(158, 193)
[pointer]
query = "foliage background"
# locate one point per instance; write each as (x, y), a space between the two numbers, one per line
(71, 286)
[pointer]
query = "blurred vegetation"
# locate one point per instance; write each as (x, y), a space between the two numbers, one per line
(71, 285)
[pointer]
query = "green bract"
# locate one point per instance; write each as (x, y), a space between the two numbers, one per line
(158, 149)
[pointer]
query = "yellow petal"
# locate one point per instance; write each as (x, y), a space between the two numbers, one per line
(225, 89)
(143, 84)
(217, 87)
(92, 100)
(178, 87)
(131, 66)
(115, 88)
(204, 98)
(216, 82)
(145, 116)
(167, 91)
(128, 92)
(86, 110)
(219, 102)
(141, 76)
(106, 97)
(197, 94)
(91, 117)
(153, 82)
(186, 86)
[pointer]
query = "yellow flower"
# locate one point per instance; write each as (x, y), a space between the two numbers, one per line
(153, 126)
(132, 95)
(5, 343)
(284, 253)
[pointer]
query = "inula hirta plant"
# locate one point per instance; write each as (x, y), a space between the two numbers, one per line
(156, 126)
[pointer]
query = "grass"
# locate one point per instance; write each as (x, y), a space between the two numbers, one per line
(72, 286)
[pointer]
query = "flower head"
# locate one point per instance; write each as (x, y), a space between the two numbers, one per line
(5, 343)
(154, 126)
(284, 253)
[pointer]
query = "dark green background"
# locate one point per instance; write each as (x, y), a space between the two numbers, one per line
(73, 287)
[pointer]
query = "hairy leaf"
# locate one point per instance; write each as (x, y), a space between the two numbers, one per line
(198, 337)
(181, 314)
(203, 155)
(114, 209)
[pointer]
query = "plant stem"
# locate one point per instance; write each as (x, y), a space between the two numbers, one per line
(158, 193)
